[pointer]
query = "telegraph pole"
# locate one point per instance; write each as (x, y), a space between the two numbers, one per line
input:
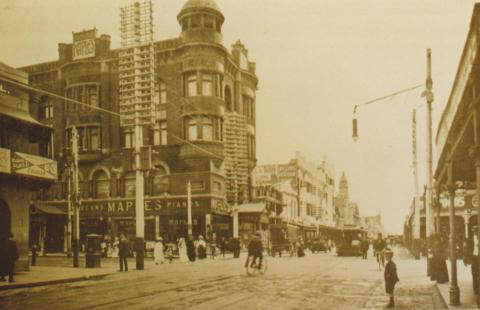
(428, 94)
(189, 208)
(416, 214)
(76, 205)
(69, 210)
(139, 198)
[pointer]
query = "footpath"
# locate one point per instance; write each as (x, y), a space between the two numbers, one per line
(55, 269)
(464, 278)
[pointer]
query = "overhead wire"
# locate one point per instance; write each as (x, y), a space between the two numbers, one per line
(48, 93)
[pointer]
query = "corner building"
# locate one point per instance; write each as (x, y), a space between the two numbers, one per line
(203, 131)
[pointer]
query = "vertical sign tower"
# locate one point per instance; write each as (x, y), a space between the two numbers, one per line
(136, 91)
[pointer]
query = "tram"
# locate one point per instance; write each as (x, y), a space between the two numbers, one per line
(283, 237)
(349, 241)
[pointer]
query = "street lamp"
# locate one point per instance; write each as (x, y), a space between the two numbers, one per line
(355, 129)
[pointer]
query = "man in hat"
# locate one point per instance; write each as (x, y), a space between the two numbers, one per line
(255, 250)
(391, 277)
(123, 253)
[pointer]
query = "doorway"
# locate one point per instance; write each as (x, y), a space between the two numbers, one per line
(5, 220)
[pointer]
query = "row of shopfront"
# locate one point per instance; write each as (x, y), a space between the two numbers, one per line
(165, 217)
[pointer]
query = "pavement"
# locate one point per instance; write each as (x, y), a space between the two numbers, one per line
(54, 269)
(316, 281)
(464, 279)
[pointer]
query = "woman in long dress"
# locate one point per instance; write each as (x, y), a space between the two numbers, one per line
(182, 250)
(158, 256)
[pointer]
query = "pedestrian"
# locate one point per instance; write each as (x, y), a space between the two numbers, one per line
(123, 253)
(391, 277)
(223, 246)
(182, 250)
(191, 249)
(365, 245)
(34, 254)
(471, 258)
(158, 256)
(201, 248)
(300, 250)
(8, 246)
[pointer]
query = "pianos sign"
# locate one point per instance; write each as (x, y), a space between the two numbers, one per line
(84, 44)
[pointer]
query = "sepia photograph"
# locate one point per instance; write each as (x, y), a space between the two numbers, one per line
(227, 154)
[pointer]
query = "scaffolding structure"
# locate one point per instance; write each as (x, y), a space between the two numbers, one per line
(136, 65)
(236, 158)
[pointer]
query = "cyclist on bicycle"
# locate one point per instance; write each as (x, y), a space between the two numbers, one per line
(255, 250)
(378, 246)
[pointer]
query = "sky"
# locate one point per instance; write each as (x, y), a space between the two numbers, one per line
(316, 60)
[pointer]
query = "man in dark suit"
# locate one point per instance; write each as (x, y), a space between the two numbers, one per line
(391, 277)
(123, 252)
(10, 256)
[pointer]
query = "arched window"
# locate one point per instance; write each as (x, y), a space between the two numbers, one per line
(228, 99)
(159, 181)
(101, 185)
(129, 185)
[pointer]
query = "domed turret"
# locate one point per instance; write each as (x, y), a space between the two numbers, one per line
(201, 21)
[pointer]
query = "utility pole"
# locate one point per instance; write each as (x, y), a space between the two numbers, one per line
(428, 94)
(416, 214)
(69, 209)
(76, 202)
(139, 198)
(429, 220)
(189, 208)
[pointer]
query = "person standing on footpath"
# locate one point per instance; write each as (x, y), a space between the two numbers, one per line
(223, 246)
(191, 249)
(9, 257)
(391, 277)
(158, 255)
(123, 252)
(364, 247)
(182, 250)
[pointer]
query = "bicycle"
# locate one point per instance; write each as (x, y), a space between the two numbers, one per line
(256, 265)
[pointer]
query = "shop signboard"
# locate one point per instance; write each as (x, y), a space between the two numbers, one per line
(287, 171)
(5, 164)
(153, 206)
(34, 166)
(84, 44)
(469, 201)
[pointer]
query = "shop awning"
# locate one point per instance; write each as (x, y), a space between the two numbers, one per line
(19, 115)
(252, 207)
(45, 209)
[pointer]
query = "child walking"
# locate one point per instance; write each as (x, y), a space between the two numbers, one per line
(391, 277)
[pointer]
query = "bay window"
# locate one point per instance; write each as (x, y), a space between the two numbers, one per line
(192, 84)
(89, 137)
(207, 84)
(204, 128)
